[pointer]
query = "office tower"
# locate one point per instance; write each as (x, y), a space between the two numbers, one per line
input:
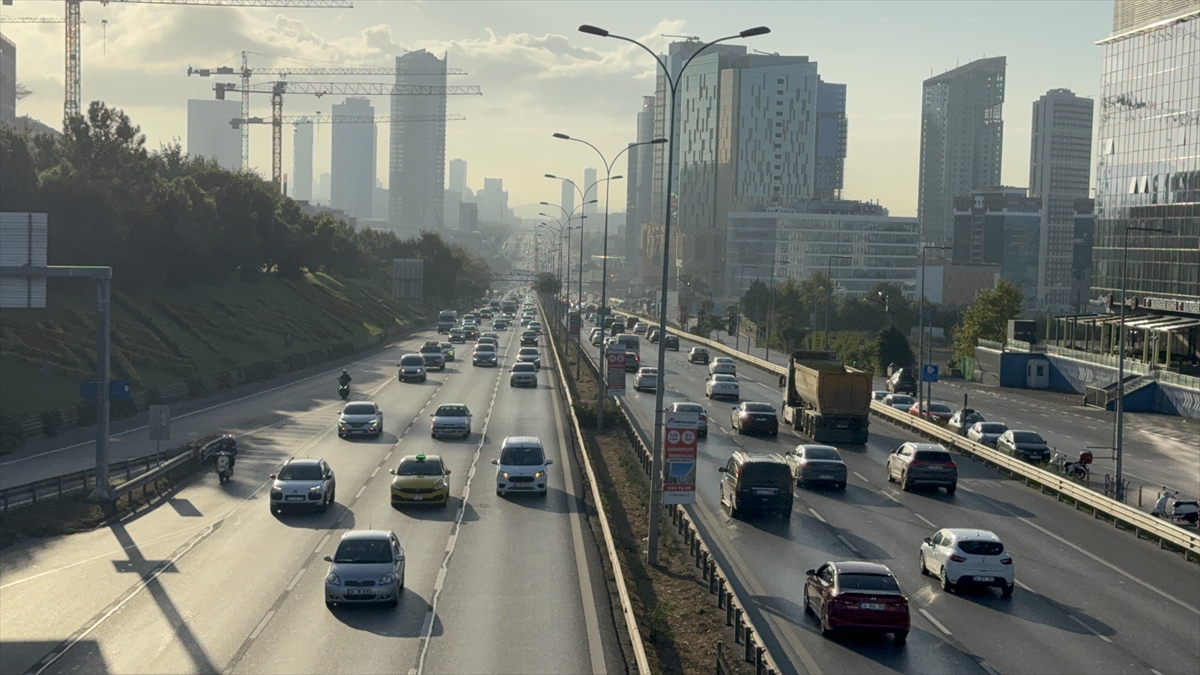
(493, 201)
(1148, 164)
(210, 133)
(1001, 226)
(592, 191)
(567, 198)
(469, 217)
(1060, 160)
(302, 162)
(832, 130)
(324, 187)
(458, 175)
(961, 142)
(638, 186)
(8, 81)
(1081, 264)
(352, 165)
(417, 180)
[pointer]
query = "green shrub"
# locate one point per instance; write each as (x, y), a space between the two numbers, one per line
(12, 436)
(52, 423)
(85, 411)
(121, 409)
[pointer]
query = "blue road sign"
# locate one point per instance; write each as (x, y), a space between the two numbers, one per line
(117, 389)
(930, 373)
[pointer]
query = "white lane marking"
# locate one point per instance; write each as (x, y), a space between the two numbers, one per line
(389, 455)
(1023, 585)
(441, 577)
(1155, 672)
(850, 546)
(262, 624)
(990, 670)
(1089, 628)
(817, 515)
(451, 542)
(932, 620)
(925, 520)
(321, 545)
(861, 477)
(360, 492)
(296, 579)
(375, 471)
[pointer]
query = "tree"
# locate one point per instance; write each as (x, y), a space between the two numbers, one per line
(547, 283)
(892, 347)
(755, 301)
(987, 319)
(18, 174)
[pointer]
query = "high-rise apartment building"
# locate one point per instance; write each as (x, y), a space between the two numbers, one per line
(210, 133)
(417, 159)
(493, 201)
(458, 176)
(302, 162)
(1001, 226)
(352, 165)
(638, 188)
(592, 191)
(1060, 160)
(962, 134)
(1148, 163)
(8, 81)
(567, 198)
(832, 132)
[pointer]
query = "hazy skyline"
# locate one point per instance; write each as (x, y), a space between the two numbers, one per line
(539, 75)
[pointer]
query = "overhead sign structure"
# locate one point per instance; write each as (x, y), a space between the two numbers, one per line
(681, 431)
(614, 368)
(929, 373)
(23, 244)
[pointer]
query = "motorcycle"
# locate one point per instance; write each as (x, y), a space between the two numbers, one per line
(224, 467)
(344, 391)
(1170, 507)
(1077, 469)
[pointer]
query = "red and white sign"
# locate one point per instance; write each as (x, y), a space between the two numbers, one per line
(680, 435)
(614, 368)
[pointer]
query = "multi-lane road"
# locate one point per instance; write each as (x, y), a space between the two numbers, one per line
(212, 582)
(1090, 599)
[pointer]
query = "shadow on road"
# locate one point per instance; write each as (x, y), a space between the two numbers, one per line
(314, 520)
(405, 620)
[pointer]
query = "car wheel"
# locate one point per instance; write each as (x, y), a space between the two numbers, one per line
(329, 605)
(904, 484)
(808, 604)
(947, 585)
(543, 493)
(333, 496)
(921, 563)
(900, 637)
(826, 628)
(395, 601)
(1007, 590)
(841, 485)
(890, 478)
(950, 490)
(324, 506)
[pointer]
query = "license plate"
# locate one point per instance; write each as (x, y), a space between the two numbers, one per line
(985, 578)
(358, 591)
(825, 476)
(871, 605)
(417, 498)
(297, 498)
(764, 491)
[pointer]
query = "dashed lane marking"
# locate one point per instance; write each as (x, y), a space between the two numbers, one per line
(924, 519)
(324, 540)
(376, 471)
(933, 621)
(861, 477)
(1024, 586)
(1089, 629)
(360, 492)
(296, 579)
(850, 546)
(817, 515)
(262, 625)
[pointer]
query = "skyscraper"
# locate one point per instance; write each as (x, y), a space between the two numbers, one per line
(352, 165)
(567, 201)
(638, 185)
(1148, 164)
(458, 175)
(302, 162)
(417, 161)
(589, 179)
(1060, 160)
(832, 130)
(962, 133)
(493, 201)
(210, 133)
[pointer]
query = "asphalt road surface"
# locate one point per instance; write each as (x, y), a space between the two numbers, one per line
(1089, 599)
(212, 582)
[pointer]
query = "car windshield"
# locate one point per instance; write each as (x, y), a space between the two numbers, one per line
(359, 409)
(300, 472)
(992, 428)
(723, 359)
(451, 411)
(699, 351)
(649, 371)
(822, 453)
(766, 473)
(412, 360)
(759, 407)
(524, 368)
(903, 399)
(521, 456)
(1027, 437)
(724, 378)
(447, 346)
(528, 351)
(414, 467)
(939, 408)
(689, 407)
(485, 347)
(981, 547)
(363, 552)
(867, 582)
(932, 456)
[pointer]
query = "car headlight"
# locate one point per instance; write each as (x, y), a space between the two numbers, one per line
(504, 474)
(333, 580)
(276, 493)
(316, 488)
(539, 474)
(388, 578)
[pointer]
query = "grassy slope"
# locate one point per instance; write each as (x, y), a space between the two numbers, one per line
(163, 336)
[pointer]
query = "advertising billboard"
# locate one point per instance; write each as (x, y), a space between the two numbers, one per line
(614, 369)
(680, 435)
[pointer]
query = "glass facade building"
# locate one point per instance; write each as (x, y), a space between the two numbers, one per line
(1148, 166)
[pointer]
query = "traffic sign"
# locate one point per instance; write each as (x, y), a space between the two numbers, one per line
(614, 367)
(160, 422)
(679, 455)
(929, 373)
(117, 389)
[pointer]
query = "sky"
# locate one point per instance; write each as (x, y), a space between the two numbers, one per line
(539, 75)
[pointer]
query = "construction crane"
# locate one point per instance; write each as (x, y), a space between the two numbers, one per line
(246, 72)
(280, 87)
(32, 19)
(74, 60)
(346, 119)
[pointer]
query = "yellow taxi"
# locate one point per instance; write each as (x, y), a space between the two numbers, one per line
(420, 479)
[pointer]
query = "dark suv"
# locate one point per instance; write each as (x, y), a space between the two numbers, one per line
(698, 355)
(903, 381)
(914, 464)
(757, 482)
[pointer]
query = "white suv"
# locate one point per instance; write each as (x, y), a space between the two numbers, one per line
(521, 466)
(967, 557)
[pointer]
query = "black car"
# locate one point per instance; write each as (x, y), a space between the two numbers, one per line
(671, 342)
(1026, 445)
(698, 355)
(757, 482)
(903, 381)
(529, 338)
(750, 417)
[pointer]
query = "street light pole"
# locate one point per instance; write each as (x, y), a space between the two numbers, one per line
(921, 330)
(673, 82)
(829, 300)
(771, 307)
(1119, 429)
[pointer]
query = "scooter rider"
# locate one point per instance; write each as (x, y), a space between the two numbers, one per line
(227, 452)
(344, 378)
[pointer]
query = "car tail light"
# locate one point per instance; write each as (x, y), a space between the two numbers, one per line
(957, 558)
(1006, 561)
(952, 465)
(917, 462)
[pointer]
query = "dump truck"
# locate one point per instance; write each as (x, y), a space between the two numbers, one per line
(825, 399)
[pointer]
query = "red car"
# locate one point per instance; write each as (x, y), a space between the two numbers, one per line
(938, 413)
(860, 595)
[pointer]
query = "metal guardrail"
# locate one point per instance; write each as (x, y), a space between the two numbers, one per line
(635, 635)
(1142, 524)
(137, 472)
(754, 651)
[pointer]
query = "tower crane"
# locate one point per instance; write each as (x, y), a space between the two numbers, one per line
(278, 88)
(32, 19)
(246, 72)
(346, 119)
(74, 60)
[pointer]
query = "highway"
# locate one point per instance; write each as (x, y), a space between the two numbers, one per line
(210, 581)
(1089, 599)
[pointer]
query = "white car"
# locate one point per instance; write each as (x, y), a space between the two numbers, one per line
(536, 326)
(901, 402)
(639, 328)
(361, 418)
(451, 419)
(723, 365)
(523, 375)
(966, 557)
(646, 379)
(721, 385)
(521, 466)
(879, 395)
(987, 432)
